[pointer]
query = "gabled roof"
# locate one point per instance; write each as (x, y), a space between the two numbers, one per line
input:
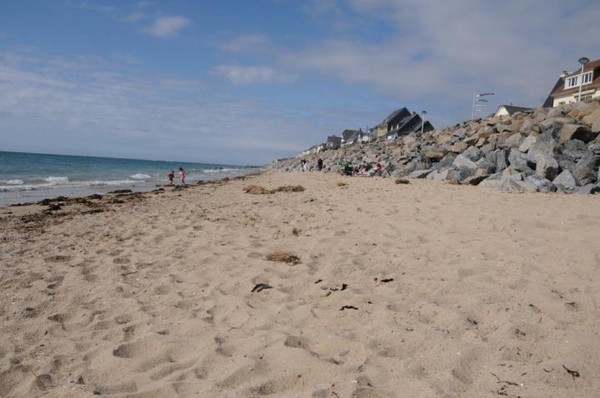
(559, 89)
(398, 112)
(350, 134)
(410, 124)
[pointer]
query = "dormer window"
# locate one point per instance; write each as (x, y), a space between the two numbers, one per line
(573, 81)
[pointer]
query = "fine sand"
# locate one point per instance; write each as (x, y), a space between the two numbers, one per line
(353, 287)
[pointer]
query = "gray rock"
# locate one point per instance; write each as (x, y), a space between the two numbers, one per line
(419, 173)
(453, 175)
(446, 162)
(438, 175)
(514, 141)
(527, 143)
(501, 159)
(518, 161)
(477, 177)
(486, 165)
(574, 150)
(515, 186)
(461, 133)
(462, 162)
(545, 165)
(472, 153)
(565, 181)
(542, 184)
(589, 189)
(586, 169)
(488, 149)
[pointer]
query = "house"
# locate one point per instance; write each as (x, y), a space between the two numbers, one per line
(333, 142)
(401, 122)
(383, 128)
(350, 137)
(566, 89)
(509, 110)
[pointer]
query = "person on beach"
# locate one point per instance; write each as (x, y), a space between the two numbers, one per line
(320, 164)
(170, 176)
(182, 176)
(304, 164)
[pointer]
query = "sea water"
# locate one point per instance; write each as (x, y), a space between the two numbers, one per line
(30, 177)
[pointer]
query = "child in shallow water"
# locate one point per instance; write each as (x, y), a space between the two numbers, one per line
(170, 176)
(182, 176)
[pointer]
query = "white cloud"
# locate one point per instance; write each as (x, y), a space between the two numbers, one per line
(167, 26)
(251, 74)
(438, 52)
(86, 105)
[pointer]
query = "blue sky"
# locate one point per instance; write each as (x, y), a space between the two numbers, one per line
(246, 82)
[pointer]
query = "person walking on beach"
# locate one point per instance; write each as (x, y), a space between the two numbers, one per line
(170, 176)
(182, 175)
(320, 164)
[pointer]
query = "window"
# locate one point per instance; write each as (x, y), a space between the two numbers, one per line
(584, 97)
(572, 82)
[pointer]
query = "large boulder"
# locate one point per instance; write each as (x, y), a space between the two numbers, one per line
(438, 175)
(565, 181)
(501, 159)
(472, 153)
(527, 143)
(541, 153)
(462, 162)
(512, 141)
(518, 161)
(434, 153)
(477, 177)
(542, 184)
(419, 173)
(586, 169)
(576, 132)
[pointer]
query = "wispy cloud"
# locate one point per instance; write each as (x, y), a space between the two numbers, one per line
(95, 101)
(167, 26)
(252, 74)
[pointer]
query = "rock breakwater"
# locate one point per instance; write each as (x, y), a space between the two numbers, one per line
(546, 150)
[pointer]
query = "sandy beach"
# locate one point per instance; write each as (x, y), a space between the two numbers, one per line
(351, 287)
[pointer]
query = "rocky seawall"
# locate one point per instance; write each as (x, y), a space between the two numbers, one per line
(547, 150)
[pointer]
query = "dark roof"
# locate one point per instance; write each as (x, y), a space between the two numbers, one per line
(398, 112)
(559, 89)
(410, 124)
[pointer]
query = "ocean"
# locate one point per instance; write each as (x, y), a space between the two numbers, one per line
(31, 177)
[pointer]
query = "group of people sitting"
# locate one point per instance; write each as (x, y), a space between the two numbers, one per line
(363, 170)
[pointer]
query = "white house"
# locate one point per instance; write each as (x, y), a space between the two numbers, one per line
(567, 88)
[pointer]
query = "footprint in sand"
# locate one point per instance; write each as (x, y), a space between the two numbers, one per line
(59, 258)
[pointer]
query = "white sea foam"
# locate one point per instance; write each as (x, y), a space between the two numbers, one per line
(140, 176)
(57, 180)
(14, 182)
